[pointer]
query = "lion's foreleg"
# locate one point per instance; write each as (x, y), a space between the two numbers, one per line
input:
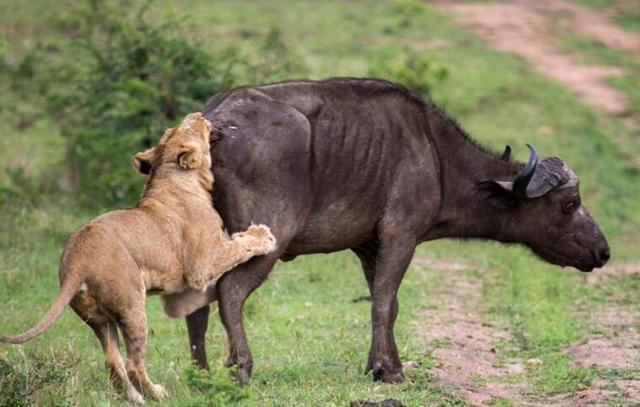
(257, 240)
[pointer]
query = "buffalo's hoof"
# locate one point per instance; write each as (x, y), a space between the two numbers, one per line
(241, 373)
(392, 378)
(385, 374)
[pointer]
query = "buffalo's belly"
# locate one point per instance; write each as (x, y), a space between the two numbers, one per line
(339, 226)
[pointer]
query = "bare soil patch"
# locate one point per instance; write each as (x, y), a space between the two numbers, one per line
(603, 352)
(616, 348)
(464, 343)
(612, 271)
(470, 362)
(522, 27)
(597, 24)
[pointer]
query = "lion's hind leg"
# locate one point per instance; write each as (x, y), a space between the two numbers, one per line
(86, 307)
(107, 333)
(133, 324)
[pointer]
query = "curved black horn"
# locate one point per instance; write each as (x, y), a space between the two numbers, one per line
(522, 181)
(506, 156)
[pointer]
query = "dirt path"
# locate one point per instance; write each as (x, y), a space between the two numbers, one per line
(613, 347)
(523, 27)
(469, 348)
(464, 342)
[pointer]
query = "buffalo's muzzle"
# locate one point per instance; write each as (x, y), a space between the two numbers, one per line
(601, 256)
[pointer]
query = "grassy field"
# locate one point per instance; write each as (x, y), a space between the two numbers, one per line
(308, 336)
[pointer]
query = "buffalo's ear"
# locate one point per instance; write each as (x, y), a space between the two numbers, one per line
(189, 157)
(498, 194)
(142, 161)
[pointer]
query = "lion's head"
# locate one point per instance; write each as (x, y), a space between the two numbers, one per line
(185, 147)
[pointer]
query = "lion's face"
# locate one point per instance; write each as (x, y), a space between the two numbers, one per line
(186, 146)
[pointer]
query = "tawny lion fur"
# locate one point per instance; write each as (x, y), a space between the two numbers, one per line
(172, 243)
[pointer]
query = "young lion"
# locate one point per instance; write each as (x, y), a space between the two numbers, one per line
(172, 243)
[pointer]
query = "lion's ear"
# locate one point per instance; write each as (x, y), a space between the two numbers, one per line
(189, 157)
(142, 161)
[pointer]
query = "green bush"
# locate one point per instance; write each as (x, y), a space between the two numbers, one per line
(275, 61)
(45, 377)
(122, 79)
(408, 10)
(411, 69)
(136, 79)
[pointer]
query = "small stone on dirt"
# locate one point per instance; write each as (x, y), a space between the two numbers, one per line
(383, 403)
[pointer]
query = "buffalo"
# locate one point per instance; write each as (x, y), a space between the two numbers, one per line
(370, 166)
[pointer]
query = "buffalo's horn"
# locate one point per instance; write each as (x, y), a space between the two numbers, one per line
(506, 156)
(522, 181)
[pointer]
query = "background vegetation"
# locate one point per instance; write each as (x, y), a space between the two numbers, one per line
(84, 86)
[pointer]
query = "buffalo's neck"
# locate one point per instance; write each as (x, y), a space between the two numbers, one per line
(465, 211)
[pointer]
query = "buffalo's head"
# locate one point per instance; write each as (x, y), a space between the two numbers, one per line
(544, 211)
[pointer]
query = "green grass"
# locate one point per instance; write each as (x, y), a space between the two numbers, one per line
(309, 339)
(594, 3)
(629, 21)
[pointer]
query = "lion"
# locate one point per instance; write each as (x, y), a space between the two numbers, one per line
(172, 244)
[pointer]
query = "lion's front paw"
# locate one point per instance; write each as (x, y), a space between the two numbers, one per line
(265, 241)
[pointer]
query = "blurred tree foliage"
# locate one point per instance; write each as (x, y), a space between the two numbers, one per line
(117, 74)
(407, 11)
(123, 78)
(411, 69)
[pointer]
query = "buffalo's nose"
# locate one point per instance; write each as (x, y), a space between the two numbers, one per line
(601, 256)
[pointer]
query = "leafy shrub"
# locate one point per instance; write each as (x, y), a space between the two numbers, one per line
(407, 10)
(275, 61)
(44, 376)
(411, 69)
(136, 78)
(122, 79)
(404, 13)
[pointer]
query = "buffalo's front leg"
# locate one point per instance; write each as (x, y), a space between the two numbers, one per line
(392, 260)
(197, 326)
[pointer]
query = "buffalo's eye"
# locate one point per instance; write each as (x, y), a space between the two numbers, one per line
(570, 206)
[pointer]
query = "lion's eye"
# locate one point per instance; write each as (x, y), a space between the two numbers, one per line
(570, 206)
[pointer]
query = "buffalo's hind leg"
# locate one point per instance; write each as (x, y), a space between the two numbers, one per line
(233, 290)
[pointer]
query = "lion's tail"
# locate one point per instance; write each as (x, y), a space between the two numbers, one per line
(70, 286)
